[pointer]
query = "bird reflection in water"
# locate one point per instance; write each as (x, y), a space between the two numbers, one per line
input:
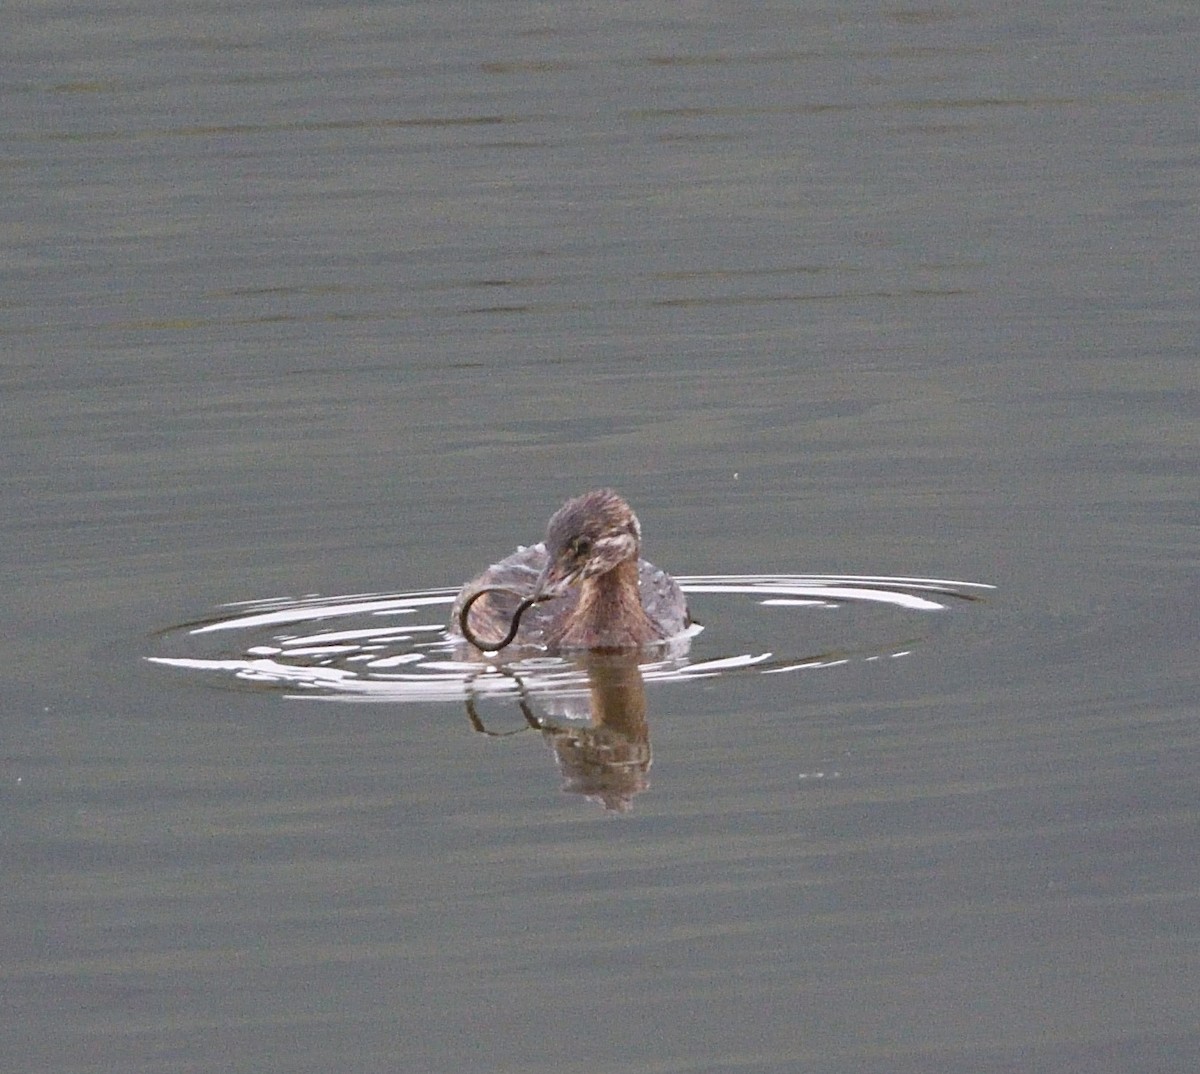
(607, 759)
(585, 593)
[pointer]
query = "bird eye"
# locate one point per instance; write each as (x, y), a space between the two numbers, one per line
(581, 546)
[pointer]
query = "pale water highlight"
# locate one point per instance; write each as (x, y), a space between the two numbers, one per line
(395, 647)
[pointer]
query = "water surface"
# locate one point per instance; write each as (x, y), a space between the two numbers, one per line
(347, 299)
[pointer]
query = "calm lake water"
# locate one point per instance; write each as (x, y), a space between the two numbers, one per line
(345, 299)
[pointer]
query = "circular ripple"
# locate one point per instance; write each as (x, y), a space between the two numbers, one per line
(395, 647)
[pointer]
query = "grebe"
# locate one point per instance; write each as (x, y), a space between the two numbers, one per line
(584, 587)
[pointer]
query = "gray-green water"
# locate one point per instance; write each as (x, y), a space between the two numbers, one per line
(346, 299)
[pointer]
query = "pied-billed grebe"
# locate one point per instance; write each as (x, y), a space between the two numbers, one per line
(585, 587)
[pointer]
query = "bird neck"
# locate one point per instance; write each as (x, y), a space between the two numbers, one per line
(610, 613)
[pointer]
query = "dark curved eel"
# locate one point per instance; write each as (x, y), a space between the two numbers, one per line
(513, 627)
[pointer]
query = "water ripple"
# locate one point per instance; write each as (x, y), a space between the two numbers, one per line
(381, 647)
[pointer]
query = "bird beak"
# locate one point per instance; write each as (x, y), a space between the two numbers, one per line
(554, 580)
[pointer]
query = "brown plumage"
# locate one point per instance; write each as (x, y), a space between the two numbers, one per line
(593, 589)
